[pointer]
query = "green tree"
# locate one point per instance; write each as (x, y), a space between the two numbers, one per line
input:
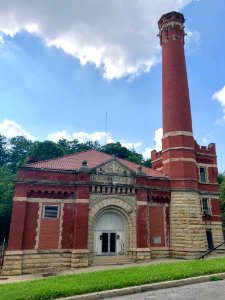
(18, 151)
(6, 196)
(135, 158)
(148, 163)
(74, 146)
(3, 150)
(46, 150)
(116, 149)
(221, 180)
(65, 145)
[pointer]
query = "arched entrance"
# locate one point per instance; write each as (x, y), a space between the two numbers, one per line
(109, 234)
(110, 214)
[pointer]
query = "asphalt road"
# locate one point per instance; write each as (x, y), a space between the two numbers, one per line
(213, 290)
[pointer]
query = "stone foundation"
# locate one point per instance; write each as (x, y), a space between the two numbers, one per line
(80, 259)
(187, 233)
(34, 261)
(143, 255)
(29, 262)
(12, 263)
(160, 253)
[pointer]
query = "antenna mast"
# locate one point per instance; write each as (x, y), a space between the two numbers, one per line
(106, 126)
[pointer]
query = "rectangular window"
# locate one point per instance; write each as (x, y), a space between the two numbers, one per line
(202, 172)
(205, 206)
(51, 211)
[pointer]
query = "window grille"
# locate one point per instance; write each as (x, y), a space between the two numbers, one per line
(51, 211)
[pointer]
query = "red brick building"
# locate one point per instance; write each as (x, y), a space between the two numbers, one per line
(69, 211)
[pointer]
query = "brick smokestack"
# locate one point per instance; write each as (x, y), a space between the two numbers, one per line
(176, 103)
(178, 145)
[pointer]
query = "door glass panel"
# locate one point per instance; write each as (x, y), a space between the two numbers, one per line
(105, 242)
(112, 242)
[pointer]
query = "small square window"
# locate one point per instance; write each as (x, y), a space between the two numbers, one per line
(157, 240)
(51, 211)
(202, 173)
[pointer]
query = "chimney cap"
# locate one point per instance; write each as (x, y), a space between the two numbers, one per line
(171, 16)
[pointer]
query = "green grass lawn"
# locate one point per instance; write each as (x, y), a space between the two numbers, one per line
(62, 286)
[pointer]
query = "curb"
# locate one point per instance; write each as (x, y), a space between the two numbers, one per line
(143, 288)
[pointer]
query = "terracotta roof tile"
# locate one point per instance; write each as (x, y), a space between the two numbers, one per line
(94, 158)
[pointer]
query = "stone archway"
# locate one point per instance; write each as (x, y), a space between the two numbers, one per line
(119, 211)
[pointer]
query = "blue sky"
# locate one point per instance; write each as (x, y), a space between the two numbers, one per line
(64, 64)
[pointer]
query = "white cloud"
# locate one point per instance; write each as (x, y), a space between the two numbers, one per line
(206, 139)
(117, 37)
(193, 40)
(1, 39)
(136, 146)
(220, 97)
(100, 136)
(147, 153)
(58, 135)
(158, 139)
(11, 129)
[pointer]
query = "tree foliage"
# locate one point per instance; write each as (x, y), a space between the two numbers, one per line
(19, 148)
(45, 150)
(6, 195)
(221, 181)
(122, 152)
(3, 150)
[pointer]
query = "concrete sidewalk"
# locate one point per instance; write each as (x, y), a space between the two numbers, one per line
(28, 277)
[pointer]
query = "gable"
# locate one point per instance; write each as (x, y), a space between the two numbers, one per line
(113, 171)
(113, 167)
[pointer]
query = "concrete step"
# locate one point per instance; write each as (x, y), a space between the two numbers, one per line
(101, 260)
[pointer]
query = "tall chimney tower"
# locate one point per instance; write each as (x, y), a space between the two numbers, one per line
(176, 103)
(178, 155)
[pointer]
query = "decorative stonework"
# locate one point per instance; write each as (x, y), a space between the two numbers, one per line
(123, 206)
(113, 167)
(38, 226)
(129, 199)
(61, 224)
(113, 172)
